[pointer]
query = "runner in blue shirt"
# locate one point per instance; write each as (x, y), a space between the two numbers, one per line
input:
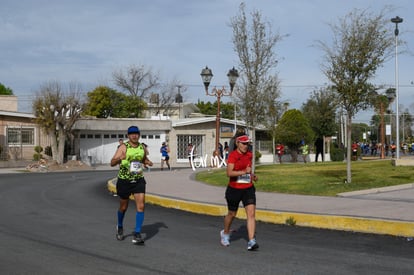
(164, 150)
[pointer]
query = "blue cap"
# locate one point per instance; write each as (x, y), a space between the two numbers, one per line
(133, 130)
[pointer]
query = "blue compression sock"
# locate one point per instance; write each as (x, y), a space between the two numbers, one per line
(120, 218)
(139, 219)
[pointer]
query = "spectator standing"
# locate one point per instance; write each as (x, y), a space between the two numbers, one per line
(374, 148)
(226, 150)
(165, 157)
(393, 149)
(305, 151)
(280, 150)
(220, 148)
(405, 148)
(319, 149)
(354, 148)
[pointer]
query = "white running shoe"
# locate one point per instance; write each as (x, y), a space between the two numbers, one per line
(252, 245)
(225, 238)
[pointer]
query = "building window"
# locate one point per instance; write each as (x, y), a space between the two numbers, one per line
(184, 140)
(20, 136)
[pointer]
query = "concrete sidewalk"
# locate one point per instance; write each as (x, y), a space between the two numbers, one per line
(379, 211)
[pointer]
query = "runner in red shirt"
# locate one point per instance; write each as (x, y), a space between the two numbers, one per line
(240, 189)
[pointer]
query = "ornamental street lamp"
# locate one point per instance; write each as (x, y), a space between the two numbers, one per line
(206, 76)
(397, 20)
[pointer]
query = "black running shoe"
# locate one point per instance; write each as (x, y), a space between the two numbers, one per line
(137, 239)
(119, 233)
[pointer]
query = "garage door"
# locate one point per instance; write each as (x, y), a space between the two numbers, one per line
(99, 148)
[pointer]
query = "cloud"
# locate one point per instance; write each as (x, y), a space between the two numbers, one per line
(85, 41)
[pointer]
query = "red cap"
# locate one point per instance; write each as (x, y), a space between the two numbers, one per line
(243, 139)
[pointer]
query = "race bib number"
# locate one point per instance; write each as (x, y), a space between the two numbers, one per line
(246, 178)
(135, 167)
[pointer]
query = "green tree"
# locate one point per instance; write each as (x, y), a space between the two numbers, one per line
(5, 90)
(361, 44)
(254, 45)
(358, 130)
(56, 112)
(292, 128)
(104, 102)
(208, 108)
(320, 110)
(131, 106)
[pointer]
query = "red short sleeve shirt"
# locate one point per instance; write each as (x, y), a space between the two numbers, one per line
(240, 161)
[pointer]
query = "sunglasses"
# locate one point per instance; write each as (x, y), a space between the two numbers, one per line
(244, 143)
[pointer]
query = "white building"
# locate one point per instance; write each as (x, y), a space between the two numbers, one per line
(96, 140)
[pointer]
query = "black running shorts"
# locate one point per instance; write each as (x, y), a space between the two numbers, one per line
(235, 196)
(124, 188)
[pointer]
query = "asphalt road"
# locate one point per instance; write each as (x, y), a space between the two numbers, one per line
(64, 223)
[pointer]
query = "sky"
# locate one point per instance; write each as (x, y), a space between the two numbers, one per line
(84, 42)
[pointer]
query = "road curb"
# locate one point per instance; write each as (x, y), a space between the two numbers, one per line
(377, 190)
(342, 223)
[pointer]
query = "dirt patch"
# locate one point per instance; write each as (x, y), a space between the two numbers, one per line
(51, 166)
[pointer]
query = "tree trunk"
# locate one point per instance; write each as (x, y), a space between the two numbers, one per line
(61, 145)
(52, 134)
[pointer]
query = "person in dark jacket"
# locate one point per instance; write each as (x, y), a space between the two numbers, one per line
(319, 148)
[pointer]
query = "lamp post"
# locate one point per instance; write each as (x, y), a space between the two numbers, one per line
(397, 20)
(206, 76)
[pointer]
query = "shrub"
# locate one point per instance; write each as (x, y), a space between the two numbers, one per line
(337, 154)
(38, 149)
(290, 221)
(37, 156)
